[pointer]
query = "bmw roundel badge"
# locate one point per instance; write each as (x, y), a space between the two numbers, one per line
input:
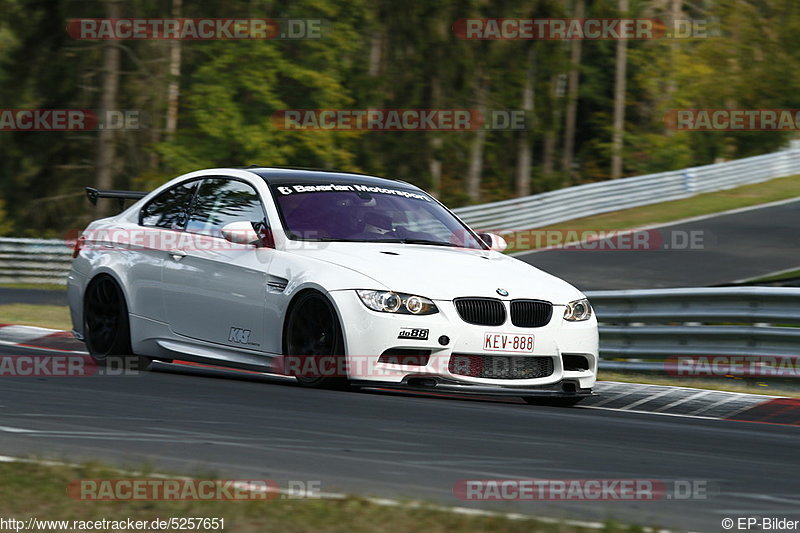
(502, 292)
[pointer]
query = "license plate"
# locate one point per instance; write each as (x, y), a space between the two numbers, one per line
(508, 342)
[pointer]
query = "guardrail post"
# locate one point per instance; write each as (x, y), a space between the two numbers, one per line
(689, 180)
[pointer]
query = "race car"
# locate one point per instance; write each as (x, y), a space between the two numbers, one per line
(338, 279)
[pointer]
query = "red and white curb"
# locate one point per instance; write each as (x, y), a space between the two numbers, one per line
(694, 403)
(616, 396)
(40, 339)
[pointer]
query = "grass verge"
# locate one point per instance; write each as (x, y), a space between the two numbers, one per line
(782, 276)
(33, 490)
(41, 287)
(732, 384)
(44, 316)
(702, 204)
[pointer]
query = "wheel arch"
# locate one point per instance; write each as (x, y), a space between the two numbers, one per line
(121, 345)
(290, 307)
(107, 273)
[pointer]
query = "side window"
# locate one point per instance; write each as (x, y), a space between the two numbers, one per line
(221, 201)
(170, 209)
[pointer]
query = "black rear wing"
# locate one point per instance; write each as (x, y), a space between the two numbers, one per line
(93, 194)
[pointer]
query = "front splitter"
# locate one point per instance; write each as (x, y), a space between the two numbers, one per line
(561, 389)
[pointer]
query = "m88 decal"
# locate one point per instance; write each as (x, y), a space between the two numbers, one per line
(413, 333)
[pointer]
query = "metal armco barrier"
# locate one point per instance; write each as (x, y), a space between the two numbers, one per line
(553, 207)
(39, 261)
(643, 326)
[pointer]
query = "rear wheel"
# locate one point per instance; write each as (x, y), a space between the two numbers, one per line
(313, 343)
(556, 401)
(107, 327)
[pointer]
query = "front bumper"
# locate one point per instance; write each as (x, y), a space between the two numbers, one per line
(368, 334)
(563, 389)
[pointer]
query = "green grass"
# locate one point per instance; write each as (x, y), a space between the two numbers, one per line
(43, 287)
(32, 490)
(769, 387)
(45, 316)
(792, 274)
(703, 204)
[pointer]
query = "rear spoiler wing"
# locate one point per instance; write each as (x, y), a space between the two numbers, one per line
(93, 194)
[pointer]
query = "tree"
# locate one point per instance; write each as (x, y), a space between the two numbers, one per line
(619, 99)
(572, 98)
(523, 175)
(106, 148)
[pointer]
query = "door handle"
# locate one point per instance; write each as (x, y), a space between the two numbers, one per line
(177, 255)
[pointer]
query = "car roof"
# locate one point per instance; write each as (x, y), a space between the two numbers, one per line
(282, 176)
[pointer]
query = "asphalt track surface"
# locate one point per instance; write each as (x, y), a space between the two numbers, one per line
(200, 421)
(735, 246)
(32, 296)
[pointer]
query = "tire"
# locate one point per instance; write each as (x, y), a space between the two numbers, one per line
(107, 329)
(313, 331)
(556, 401)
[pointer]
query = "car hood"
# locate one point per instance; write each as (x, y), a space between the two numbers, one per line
(443, 273)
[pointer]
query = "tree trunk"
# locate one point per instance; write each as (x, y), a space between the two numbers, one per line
(435, 165)
(523, 178)
(549, 148)
(435, 143)
(375, 53)
(676, 10)
(476, 148)
(108, 101)
(173, 89)
(619, 99)
(572, 99)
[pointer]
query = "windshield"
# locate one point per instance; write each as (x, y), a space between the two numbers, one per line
(361, 213)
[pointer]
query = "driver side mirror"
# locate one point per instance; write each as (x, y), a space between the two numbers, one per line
(240, 232)
(494, 241)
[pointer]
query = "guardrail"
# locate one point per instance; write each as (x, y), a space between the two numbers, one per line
(647, 327)
(38, 261)
(595, 198)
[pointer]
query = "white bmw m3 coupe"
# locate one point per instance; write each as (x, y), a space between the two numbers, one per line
(334, 278)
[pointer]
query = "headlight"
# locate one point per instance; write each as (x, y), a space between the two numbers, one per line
(397, 302)
(578, 311)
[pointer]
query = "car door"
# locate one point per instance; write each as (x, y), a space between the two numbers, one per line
(161, 223)
(214, 290)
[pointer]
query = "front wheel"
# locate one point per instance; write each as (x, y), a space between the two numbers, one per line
(314, 345)
(107, 327)
(553, 401)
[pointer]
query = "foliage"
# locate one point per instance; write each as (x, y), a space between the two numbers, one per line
(381, 54)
